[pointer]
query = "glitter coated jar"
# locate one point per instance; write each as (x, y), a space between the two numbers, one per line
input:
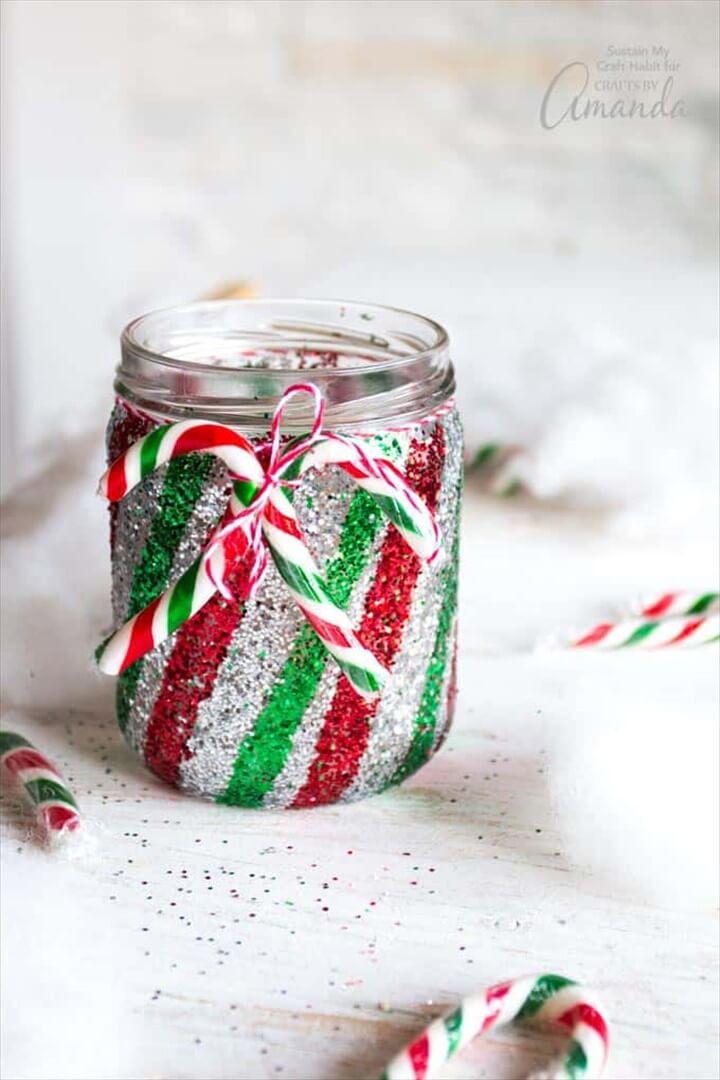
(243, 703)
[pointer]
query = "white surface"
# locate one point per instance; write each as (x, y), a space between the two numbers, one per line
(206, 942)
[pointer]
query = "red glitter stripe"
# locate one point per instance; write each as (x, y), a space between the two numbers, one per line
(206, 436)
(686, 632)
(419, 1054)
(60, 817)
(660, 607)
(27, 758)
(595, 635)
(201, 645)
(281, 521)
(141, 636)
(344, 736)
(585, 1014)
(334, 634)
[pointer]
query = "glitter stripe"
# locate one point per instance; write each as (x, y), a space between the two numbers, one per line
(200, 648)
(263, 752)
(432, 698)
(449, 693)
(181, 489)
(294, 772)
(129, 523)
(392, 727)
(261, 645)
(151, 668)
(344, 736)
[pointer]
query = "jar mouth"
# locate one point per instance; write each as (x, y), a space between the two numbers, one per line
(230, 359)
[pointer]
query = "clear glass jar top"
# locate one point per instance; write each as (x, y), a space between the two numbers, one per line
(230, 361)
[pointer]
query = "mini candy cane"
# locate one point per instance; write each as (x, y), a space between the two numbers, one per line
(56, 809)
(260, 510)
(548, 999)
(497, 464)
(678, 603)
(653, 634)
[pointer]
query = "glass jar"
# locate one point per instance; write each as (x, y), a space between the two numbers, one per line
(243, 704)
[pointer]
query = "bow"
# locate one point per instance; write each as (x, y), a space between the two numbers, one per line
(260, 518)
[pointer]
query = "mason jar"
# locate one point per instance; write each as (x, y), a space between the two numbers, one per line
(243, 703)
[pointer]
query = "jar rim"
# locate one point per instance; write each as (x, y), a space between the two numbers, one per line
(130, 341)
(232, 360)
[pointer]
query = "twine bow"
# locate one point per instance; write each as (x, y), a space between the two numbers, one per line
(260, 518)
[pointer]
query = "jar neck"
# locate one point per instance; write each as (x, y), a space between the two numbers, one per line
(231, 361)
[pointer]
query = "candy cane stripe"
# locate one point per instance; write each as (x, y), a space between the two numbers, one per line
(174, 440)
(680, 603)
(548, 999)
(653, 634)
(54, 804)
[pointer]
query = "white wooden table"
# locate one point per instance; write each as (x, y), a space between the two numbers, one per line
(207, 943)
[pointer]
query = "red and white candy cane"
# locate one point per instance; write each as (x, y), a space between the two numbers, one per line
(43, 785)
(541, 999)
(642, 633)
(260, 514)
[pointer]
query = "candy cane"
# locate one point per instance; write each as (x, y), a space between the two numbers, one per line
(56, 809)
(497, 464)
(653, 634)
(678, 603)
(258, 507)
(543, 999)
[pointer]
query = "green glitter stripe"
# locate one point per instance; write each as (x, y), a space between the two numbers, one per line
(425, 722)
(263, 752)
(10, 741)
(182, 487)
(453, 1030)
(180, 606)
(43, 790)
(702, 604)
(149, 450)
(545, 988)
(575, 1061)
(641, 633)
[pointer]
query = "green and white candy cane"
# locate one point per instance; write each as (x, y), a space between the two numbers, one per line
(540, 999)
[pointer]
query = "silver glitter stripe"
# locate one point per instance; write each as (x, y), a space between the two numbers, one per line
(261, 644)
(297, 766)
(206, 512)
(393, 726)
(295, 772)
(134, 517)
